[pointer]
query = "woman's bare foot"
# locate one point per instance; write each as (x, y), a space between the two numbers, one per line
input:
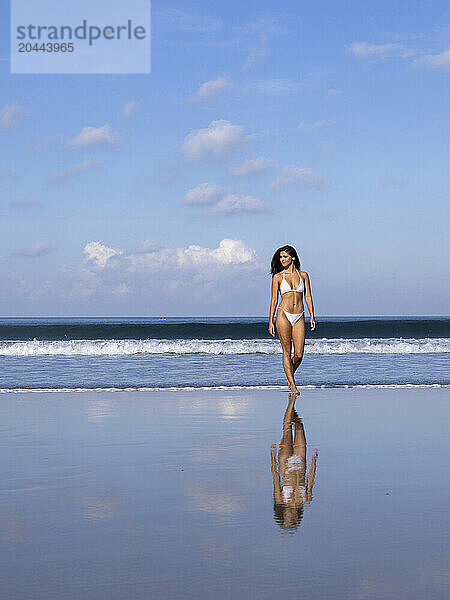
(294, 390)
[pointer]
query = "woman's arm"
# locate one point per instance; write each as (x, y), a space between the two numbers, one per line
(277, 493)
(273, 304)
(309, 300)
(311, 476)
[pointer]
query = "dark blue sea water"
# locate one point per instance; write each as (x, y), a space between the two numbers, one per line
(80, 353)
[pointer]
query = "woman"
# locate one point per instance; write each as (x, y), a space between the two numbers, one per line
(292, 284)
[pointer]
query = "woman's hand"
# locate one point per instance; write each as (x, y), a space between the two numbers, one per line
(313, 323)
(271, 329)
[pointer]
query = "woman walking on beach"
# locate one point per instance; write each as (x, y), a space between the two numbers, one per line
(292, 284)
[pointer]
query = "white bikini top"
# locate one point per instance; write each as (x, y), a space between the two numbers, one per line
(285, 287)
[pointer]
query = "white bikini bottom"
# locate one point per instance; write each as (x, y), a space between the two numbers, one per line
(292, 317)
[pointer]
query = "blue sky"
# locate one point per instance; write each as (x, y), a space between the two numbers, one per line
(322, 125)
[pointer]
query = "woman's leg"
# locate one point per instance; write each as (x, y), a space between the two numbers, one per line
(298, 337)
(287, 441)
(284, 330)
(300, 451)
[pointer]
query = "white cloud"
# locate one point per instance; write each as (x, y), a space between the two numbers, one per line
(434, 61)
(393, 180)
(199, 275)
(194, 257)
(47, 143)
(272, 24)
(306, 127)
(292, 175)
(33, 251)
(151, 259)
(265, 27)
(366, 50)
(96, 136)
(251, 166)
(25, 203)
(327, 147)
(238, 203)
(258, 54)
(11, 115)
(219, 201)
(189, 21)
(233, 252)
(216, 139)
(121, 289)
(275, 87)
(229, 252)
(99, 254)
(131, 107)
(205, 193)
(147, 246)
(333, 93)
(81, 282)
(210, 89)
(63, 176)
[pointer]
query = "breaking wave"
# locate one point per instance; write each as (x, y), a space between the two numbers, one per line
(119, 347)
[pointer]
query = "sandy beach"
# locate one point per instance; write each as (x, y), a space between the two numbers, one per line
(226, 494)
(206, 205)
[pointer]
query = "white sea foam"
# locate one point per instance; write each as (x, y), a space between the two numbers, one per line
(282, 388)
(217, 347)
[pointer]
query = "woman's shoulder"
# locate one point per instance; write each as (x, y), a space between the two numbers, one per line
(304, 274)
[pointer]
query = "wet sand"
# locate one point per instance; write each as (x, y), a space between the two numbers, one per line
(220, 494)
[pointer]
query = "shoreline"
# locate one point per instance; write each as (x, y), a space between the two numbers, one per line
(282, 388)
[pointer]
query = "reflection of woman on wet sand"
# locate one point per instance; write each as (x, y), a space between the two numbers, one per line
(291, 493)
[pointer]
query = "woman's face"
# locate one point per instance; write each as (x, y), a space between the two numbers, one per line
(285, 259)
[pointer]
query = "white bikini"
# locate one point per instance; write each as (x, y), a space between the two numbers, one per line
(294, 463)
(284, 288)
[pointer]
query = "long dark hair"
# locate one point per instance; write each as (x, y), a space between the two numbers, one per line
(288, 518)
(276, 266)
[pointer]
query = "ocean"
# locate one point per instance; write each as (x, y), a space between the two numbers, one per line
(179, 353)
